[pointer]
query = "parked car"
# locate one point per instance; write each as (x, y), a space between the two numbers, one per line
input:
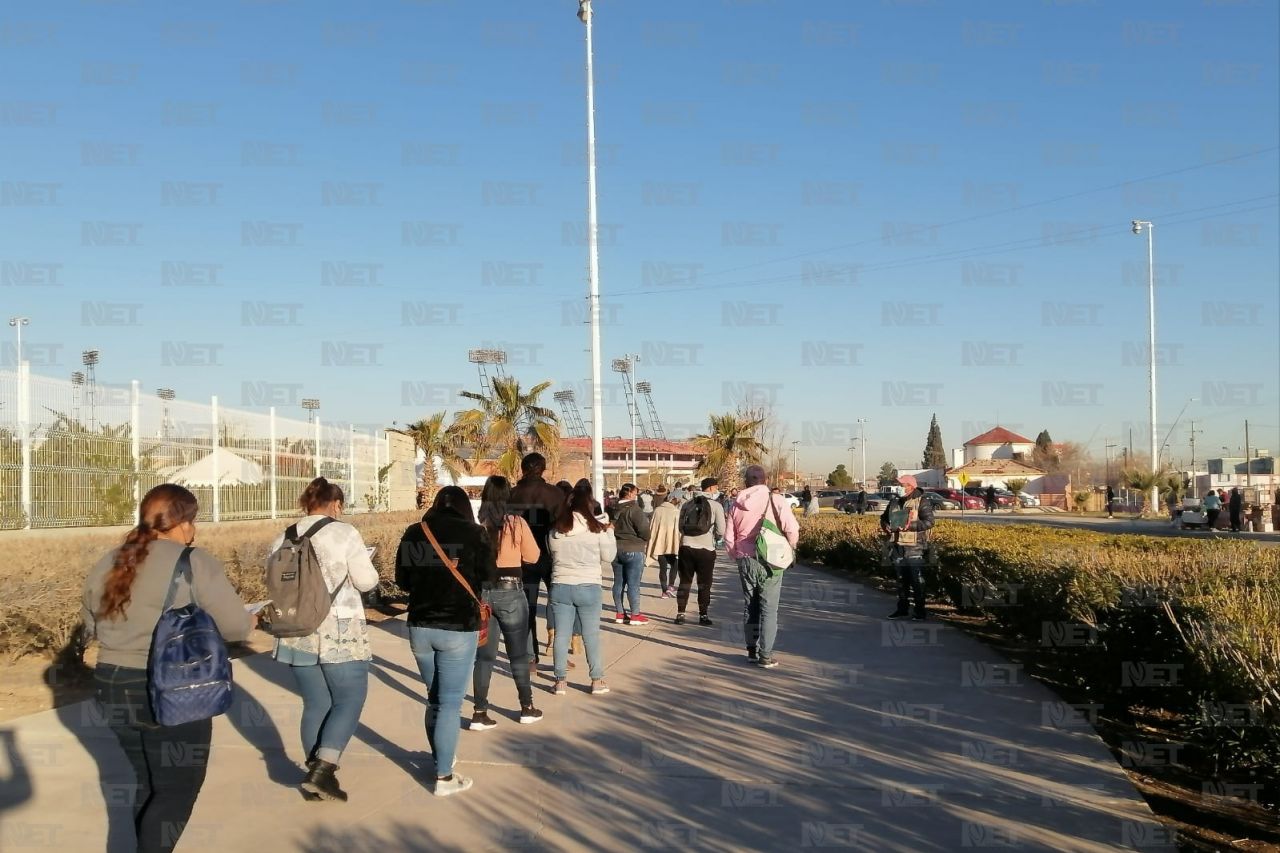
(1028, 500)
(875, 503)
(940, 502)
(828, 497)
(959, 497)
(1004, 497)
(793, 501)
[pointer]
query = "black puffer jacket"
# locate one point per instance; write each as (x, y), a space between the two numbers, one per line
(436, 599)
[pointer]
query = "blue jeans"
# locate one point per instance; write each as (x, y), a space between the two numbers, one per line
(445, 659)
(511, 617)
(628, 569)
(333, 696)
(760, 594)
(583, 602)
(168, 761)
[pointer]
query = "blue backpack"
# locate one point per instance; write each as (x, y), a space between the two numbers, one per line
(188, 671)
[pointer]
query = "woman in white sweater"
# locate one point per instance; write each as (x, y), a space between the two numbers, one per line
(331, 665)
(580, 543)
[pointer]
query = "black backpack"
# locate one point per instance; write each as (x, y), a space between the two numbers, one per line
(696, 517)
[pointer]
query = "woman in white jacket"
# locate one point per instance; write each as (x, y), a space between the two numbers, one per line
(331, 665)
(580, 543)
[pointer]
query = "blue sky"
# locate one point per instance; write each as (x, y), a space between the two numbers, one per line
(845, 210)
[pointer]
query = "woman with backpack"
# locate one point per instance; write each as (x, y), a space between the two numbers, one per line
(331, 663)
(581, 544)
(504, 591)
(442, 562)
(123, 599)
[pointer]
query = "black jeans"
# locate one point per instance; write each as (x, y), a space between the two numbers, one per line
(699, 562)
(509, 617)
(168, 761)
(667, 576)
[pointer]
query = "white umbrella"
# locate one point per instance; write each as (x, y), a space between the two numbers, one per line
(229, 470)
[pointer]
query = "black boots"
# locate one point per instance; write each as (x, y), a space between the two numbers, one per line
(321, 781)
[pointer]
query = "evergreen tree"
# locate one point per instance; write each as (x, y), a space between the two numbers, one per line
(888, 474)
(839, 478)
(1044, 456)
(935, 455)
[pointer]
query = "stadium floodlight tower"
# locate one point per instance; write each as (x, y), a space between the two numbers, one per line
(572, 417)
(167, 395)
(312, 405)
(624, 366)
(482, 359)
(90, 358)
(646, 390)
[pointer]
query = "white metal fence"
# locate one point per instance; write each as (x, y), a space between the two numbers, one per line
(91, 452)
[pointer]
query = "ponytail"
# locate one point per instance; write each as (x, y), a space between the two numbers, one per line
(163, 508)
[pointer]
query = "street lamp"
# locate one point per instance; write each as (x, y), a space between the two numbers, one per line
(862, 440)
(1139, 225)
(593, 266)
(17, 323)
(1106, 452)
(795, 473)
(853, 462)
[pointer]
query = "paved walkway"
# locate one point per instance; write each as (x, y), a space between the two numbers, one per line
(871, 735)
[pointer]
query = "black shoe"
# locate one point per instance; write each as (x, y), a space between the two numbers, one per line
(705, 620)
(899, 614)
(752, 656)
(307, 795)
(918, 616)
(679, 620)
(322, 781)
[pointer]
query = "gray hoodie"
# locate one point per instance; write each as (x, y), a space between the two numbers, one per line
(578, 556)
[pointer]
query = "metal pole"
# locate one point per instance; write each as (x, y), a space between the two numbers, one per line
(862, 436)
(271, 433)
(795, 467)
(634, 476)
(135, 442)
(24, 426)
(1151, 316)
(217, 473)
(593, 269)
(1194, 486)
(1247, 481)
(351, 464)
(377, 481)
(316, 429)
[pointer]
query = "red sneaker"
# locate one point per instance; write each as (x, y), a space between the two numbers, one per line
(619, 618)
(639, 619)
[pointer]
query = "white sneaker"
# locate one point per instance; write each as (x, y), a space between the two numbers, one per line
(449, 787)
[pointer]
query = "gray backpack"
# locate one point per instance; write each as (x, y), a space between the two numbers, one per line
(300, 597)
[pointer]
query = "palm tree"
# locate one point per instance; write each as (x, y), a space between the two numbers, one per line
(731, 440)
(1143, 481)
(509, 420)
(436, 441)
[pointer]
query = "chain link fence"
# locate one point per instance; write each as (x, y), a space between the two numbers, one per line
(79, 453)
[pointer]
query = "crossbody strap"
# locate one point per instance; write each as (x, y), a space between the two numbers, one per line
(449, 564)
(181, 570)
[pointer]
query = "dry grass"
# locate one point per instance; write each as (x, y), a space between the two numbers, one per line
(44, 572)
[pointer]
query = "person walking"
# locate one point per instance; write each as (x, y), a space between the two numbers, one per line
(442, 562)
(631, 530)
(990, 496)
(761, 585)
(1212, 509)
(538, 503)
(331, 665)
(581, 544)
(1235, 506)
(905, 525)
(702, 525)
(1111, 498)
(664, 545)
(504, 592)
(122, 599)
(809, 502)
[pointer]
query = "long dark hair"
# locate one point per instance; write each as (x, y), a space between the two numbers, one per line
(320, 492)
(163, 508)
(581, 502)
(454, 498)
(494, 508)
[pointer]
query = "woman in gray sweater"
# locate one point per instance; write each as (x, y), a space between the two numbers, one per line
(580, 545)
(122, 600)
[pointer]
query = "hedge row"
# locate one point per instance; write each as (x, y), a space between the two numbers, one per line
(1192, 626)
(43, 571)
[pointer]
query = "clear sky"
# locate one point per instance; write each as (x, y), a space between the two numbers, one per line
(846, 210)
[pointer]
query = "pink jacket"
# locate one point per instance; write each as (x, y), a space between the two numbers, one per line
(745, 515)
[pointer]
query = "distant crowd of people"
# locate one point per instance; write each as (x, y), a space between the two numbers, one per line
(458, 570)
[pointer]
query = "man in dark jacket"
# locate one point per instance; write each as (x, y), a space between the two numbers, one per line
(1235, 506)
(905, 524)
(538, 502)
(991, 498)
(631, 529)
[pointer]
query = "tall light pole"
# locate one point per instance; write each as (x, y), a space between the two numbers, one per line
(90, 358)
(593, 268)
(625, 366)
(1106, 452)
(1139, 225)
(853, 460)
(311, 405)
(167, 395)
(17, 323)
(862, 440)
(795, 473)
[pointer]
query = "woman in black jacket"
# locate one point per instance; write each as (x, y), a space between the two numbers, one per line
(444, 617)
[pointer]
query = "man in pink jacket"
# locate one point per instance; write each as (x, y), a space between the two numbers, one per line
(761, 585)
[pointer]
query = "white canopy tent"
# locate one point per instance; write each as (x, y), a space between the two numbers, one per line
(222, 468)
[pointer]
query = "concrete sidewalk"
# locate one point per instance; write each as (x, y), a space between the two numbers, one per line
(871, 735)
